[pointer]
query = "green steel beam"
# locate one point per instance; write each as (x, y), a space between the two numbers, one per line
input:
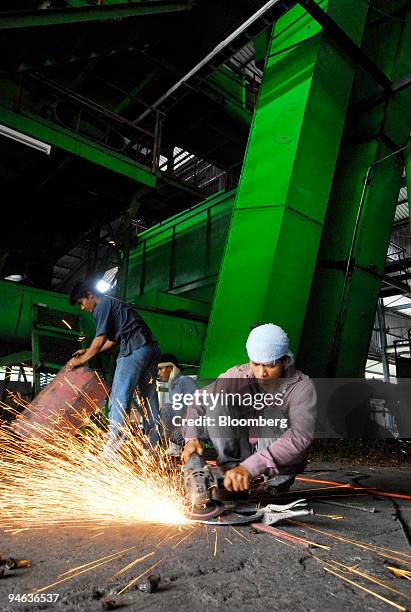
(15, 358)
(352, 257)
(76, 144)
(281, 201)
(346, 43)
(92, 3)
(12, 20)
(176, 328)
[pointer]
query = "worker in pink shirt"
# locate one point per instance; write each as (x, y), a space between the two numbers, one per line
(279, 454)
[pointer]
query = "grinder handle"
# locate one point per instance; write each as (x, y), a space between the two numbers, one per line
(196, 462)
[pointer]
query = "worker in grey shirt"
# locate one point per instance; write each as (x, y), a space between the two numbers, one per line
(178, 386)
(118, 323)
(277, 453)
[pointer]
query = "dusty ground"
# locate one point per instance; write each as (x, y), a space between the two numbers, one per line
(241, 571)
(363, 451)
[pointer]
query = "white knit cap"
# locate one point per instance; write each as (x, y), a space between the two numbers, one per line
(268, 343)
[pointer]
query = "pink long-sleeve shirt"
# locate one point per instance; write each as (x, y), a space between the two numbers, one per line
(299, 407)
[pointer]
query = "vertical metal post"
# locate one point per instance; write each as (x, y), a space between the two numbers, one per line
(35, 349)
(172, 271)
(383, 340)
(157, 143)
(19, 96)
(93, 253)
(124, 238)
(123, 276)
(79, 120)
(170, 159)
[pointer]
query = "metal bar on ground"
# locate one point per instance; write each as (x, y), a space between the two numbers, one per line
(283, 535)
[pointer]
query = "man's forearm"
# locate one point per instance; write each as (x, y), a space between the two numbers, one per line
(94, 348)
(107, 345)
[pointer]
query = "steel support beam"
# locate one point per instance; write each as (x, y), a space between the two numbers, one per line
(15, 358)
(346, 43)
(124, 237)
(281, 201)
(77, 145)
(383, 340)
(407, 158)
(12, 20)
(360, 214)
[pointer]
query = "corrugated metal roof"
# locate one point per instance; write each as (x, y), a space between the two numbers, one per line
(403, 196)
(402, 212)
(244, 60)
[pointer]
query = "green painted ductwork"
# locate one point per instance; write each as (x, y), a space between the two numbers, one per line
(182, 255)
(176, 323)
(280, 206)
(16, 306)
(361, 210)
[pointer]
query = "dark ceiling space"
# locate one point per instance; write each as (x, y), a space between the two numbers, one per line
(108, 73)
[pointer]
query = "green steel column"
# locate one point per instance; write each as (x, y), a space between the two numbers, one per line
(281, 201)
(360, 214)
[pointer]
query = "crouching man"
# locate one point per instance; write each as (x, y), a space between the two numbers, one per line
(244, 452)
(178, 386)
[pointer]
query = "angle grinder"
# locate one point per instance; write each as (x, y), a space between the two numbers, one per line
(200, 484)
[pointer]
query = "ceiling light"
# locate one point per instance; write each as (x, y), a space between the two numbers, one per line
(102, 286)
(16, 278)
(24, 139)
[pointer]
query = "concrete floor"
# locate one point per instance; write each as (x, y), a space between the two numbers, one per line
(243, 571)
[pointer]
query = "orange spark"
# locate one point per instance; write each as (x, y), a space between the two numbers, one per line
(139, 576)
(57, 476)
(399, 573)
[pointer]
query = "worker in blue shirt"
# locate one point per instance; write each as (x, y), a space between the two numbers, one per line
(178, 386)
(118, 323)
